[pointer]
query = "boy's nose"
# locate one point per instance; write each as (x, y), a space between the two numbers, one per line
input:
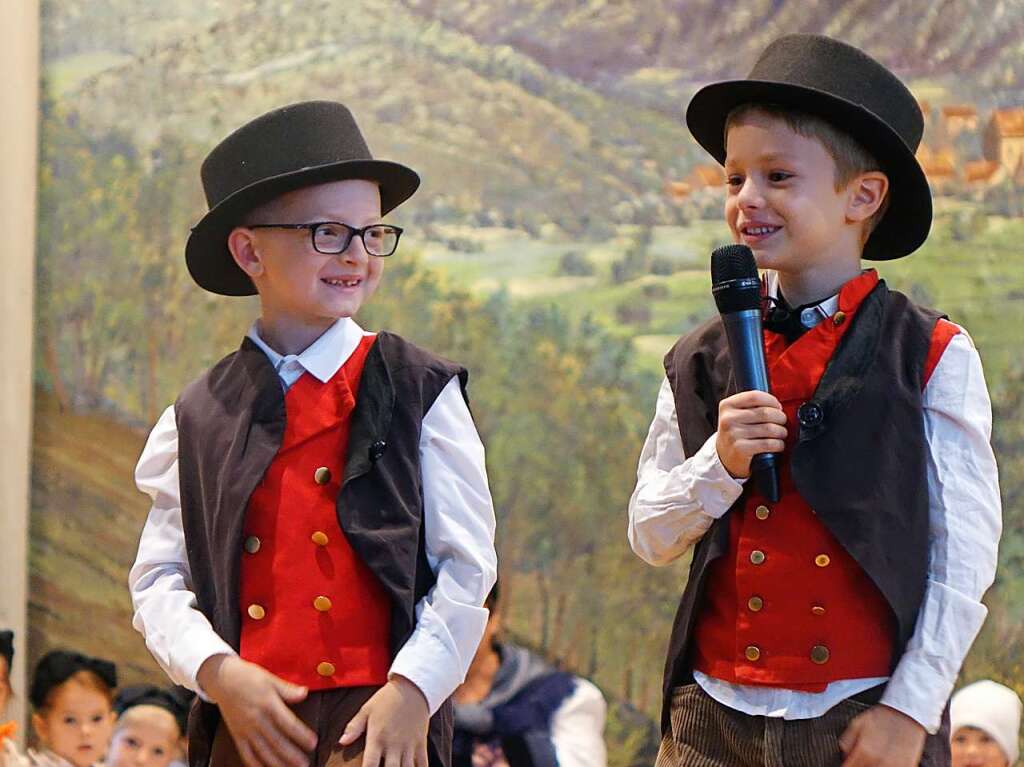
(750, 195)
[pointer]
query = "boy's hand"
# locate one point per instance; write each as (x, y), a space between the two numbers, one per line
(882, 737)
(749, 423)
(254, 705)
(395, 721)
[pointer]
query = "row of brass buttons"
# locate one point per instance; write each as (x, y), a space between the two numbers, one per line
(758, 557)
(257, 612)
(253, 544)
(819, 654)
(321, 603)
(756, 604)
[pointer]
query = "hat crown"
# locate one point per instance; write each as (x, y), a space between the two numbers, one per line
(309, 134)
(833, 67)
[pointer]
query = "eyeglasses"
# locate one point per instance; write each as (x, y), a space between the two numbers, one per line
(333, 237)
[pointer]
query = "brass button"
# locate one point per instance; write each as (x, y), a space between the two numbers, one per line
(323, 604)
(752, 653)
(820, 654)
(822, 560)
(319, 538)
(252, 544)
(755, 604)
(762, 512)
(325, 668)
(256, 612)
(757, 557)
(818, 610)
(322, 475)
(838, 318)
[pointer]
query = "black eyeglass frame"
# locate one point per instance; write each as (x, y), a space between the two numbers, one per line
(352, 232)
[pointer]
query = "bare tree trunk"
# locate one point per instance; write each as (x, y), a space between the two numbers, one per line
(51, 363)
(543, 604)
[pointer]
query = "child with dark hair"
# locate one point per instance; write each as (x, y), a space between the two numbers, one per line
(150, 727)
(73, 697)
(7, 729)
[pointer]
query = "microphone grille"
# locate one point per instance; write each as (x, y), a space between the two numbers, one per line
(732, 262)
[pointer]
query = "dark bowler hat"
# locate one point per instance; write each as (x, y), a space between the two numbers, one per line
(848, 88)
(300, 145)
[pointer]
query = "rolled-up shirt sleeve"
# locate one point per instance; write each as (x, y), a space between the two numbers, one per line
(458, 519)
(965, 520)
(676, 497)
(177, 634)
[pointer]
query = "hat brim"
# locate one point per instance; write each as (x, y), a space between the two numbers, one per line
(206, 253)
(906, 223)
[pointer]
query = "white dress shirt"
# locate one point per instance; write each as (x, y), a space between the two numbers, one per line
(458, 527)
(678, 497)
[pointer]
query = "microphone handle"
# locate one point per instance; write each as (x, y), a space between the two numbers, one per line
(746, 348)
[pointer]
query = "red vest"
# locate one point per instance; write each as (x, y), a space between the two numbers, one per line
(787, 606)
(312, 612)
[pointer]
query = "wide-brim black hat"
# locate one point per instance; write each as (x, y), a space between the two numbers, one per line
(313, 142)
(849, 89)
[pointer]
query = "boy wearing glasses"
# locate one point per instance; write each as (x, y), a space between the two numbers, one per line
(320, 542)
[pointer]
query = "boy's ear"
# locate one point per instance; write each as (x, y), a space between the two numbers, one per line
(242, 244)
(867, 193)
(39, 725)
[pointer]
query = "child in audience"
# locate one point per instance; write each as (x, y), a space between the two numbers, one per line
(72, 695)
(149, 729)
(985, 722)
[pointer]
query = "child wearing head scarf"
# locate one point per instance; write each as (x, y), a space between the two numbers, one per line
(985, 722)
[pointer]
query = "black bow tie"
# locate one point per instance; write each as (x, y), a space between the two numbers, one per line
(781, 318)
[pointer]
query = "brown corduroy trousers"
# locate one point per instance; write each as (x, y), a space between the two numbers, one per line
(706, 733)
(326, 712)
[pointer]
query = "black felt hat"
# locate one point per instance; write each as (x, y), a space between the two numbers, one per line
(151, 695)
(313, 142)
(843, 85)
(58, 666)
(7, 646)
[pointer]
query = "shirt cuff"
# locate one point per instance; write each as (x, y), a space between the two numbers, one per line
(427, 662)
(191, 650)
(713, 485)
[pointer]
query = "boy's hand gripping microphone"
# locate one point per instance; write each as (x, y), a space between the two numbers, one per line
(737, 291)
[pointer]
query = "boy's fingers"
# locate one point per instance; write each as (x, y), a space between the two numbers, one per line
(283, 751)
(371, 754)
(849, 737)
(355, 728)
(421, 754)
(293, 728)
(292, 693)
(752, 398)
(245, 753)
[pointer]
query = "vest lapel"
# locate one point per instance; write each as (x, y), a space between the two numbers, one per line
(371, 418)
(846, 371)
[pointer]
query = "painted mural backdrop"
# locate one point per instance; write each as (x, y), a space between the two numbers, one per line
(559, 244)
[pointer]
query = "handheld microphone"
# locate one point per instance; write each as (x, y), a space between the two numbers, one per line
(737, 291)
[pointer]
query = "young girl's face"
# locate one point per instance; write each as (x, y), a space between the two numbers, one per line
(146, 736)
(77, 723)
(973, 747)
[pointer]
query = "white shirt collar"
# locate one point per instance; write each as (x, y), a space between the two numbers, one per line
(322, 358)
(811, 315)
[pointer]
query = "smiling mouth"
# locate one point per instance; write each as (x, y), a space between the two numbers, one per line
(758, 231)
(354, 282)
